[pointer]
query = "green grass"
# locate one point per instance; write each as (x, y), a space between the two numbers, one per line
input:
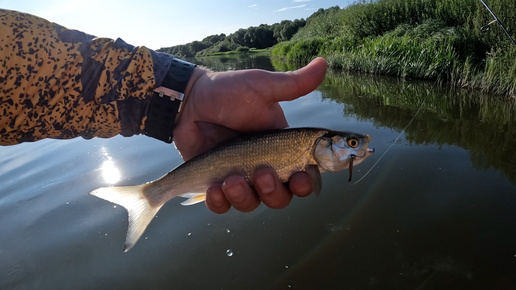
(425, 39)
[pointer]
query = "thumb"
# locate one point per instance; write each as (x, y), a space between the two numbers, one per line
(288, 86)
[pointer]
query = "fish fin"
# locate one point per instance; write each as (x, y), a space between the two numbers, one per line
(193, 198)
(140, 211)
(315, 175)
(215, 134)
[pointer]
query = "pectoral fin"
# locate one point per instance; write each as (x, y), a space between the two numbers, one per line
(315, 175)
(193, 198)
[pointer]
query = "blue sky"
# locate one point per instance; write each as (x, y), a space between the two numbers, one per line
(162, 23)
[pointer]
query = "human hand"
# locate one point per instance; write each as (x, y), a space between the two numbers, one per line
(244, 101)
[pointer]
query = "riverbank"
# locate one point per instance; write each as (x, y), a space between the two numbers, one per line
(239, 51)
(438, 40)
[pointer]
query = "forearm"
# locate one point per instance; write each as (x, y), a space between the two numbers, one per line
(60, 83)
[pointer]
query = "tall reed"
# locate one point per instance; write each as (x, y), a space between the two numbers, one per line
(429, 39)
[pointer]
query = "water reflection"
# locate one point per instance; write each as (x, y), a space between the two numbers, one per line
(108, 170)
(426, 217)
(483, 124)
(236, 62)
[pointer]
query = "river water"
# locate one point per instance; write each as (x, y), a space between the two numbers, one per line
(437, 211)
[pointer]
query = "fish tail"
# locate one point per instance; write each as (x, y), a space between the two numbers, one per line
(139, 208)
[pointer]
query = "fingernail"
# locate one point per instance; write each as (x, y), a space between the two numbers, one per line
(235, 192)
(217, 199)
(265, 183)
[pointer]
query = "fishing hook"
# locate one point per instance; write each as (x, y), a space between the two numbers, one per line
(352, 158)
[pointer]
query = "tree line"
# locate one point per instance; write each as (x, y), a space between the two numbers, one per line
(254, 37)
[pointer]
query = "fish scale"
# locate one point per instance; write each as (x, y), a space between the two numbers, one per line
(286, 151)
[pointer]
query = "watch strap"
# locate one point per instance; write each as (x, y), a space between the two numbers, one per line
(165, 101)
(161, 117)
(178, 75)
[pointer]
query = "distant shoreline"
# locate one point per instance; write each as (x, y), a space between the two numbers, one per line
(234, 52)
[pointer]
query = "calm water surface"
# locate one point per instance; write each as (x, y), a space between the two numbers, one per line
(438, 211)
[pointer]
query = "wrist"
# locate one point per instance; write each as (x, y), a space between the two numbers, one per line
(196, 75)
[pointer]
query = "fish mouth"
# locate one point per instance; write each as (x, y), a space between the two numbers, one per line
(353, 157)
(368, 152)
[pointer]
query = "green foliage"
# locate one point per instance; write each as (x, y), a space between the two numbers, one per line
(304, 50)
(286, 29)
(500, 72)
(260, 37)
(323, 23)
(429, 39)
(242, 49)
(399, 56)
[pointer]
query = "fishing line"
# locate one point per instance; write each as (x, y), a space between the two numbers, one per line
(394, 142)
(483, 28)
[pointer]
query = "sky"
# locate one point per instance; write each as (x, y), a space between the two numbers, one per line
(164, 23)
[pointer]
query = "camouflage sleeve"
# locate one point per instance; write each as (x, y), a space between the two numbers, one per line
(61, 83)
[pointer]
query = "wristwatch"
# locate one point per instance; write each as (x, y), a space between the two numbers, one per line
(165, 102)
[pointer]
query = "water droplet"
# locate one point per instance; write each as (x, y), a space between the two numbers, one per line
(286, 266)
(228, 231)
(229, 253)
(105, 234)
(146, 237)
(189, 234)
(114, 206)
(67, 203)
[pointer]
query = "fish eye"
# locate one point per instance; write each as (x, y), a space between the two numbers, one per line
(353, 142)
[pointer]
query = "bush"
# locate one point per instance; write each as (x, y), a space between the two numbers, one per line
(430, 39)
(242, 49)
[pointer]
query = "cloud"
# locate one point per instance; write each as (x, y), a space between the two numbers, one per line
(292, 7)
(253, 6)
(301, 1)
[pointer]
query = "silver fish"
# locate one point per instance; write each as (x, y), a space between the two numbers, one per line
(288, 151)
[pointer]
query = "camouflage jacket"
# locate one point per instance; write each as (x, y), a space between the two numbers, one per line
(61, 83)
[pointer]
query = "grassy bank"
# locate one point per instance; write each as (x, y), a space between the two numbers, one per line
(436, 40)
(240, 51)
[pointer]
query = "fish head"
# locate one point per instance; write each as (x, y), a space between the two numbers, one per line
(337, 151)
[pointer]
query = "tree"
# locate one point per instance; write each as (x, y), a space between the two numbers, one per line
(262, 36)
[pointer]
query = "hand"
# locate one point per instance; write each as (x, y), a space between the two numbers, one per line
(244, 101)
(269, 189)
